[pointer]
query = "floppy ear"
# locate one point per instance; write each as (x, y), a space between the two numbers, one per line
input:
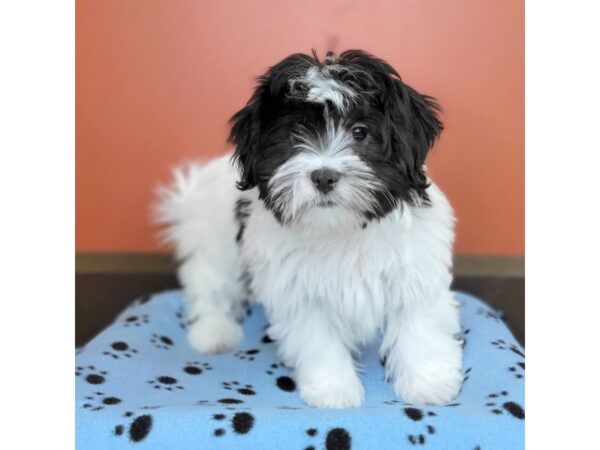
(245, 132)
(415, 127)
(247, 124)
(427, 126)
(411, 119)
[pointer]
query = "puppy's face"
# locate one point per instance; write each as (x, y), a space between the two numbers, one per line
(343, 138)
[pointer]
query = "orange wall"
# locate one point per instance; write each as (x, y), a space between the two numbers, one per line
(157, 81)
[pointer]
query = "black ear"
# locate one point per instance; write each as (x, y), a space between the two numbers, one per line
(245, 132)
(411, 119)
(415, 126)
(248, 123)
(243, 136)
(427, 126)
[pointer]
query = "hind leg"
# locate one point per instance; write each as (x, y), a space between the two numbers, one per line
(198, 214)
(213, 304)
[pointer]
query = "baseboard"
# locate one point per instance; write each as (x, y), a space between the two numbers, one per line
(126, 262)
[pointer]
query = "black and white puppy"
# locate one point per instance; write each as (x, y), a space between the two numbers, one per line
(326, 216)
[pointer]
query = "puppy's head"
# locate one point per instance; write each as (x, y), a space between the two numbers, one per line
(340, 138)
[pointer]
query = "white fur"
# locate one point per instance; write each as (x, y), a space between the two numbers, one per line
(328, 285)
(323, 88)
(293, 191)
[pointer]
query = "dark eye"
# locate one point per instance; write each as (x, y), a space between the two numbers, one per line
(359, 133)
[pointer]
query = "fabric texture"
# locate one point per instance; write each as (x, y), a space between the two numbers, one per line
(140, 385)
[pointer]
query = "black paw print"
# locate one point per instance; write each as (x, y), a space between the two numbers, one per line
(467, 375)
(230, 402)
(165, 382)
(283, 382)
(518, 370)
(502, 345)
(247, 389)
(499, 406)
(227, 403)
(138, 429)
(163, 342)
(120, 349)
(266, 339)
(91, 374)
(196, 368)
(241, 423)
(181, 318)
(336, 439)
(417, 415)
(247, 354)
(135, 321)
(102, 400)
(463, 336)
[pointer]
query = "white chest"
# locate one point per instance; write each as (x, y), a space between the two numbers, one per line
(351, 276)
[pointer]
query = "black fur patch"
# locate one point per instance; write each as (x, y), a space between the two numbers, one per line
(403, 125)
(241, 215)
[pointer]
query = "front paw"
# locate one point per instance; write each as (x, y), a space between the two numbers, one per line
(434, 388)
(333, 393)
(215, 334)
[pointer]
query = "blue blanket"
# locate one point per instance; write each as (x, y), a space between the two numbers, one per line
(140, 385)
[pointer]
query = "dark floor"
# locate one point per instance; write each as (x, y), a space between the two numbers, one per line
(99, 297)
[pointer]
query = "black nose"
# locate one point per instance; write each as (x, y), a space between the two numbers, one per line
(325, 179)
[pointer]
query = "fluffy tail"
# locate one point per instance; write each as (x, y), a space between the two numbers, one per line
(197, 211)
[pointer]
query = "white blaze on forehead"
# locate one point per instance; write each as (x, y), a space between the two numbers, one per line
(322, 88)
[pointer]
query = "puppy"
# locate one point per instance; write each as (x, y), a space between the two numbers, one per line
(325, 215)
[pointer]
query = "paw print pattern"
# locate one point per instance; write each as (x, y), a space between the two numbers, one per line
(266, 339)
(312, 432)
(502, 345)
(138, 429)
(102, 401)
(162, 342)
(498, 316)
(135, 320)
(230, 403)
(336, 439)
(418, 415)
(467, 375)
(247, 355)
(247, 389)
(499, 404)
(166, 383)
(283, 382)
(518, 370)
(241, 423)
(463, 336)
(91, 375)
(120, 349)
(196, 368)
(181, 318)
